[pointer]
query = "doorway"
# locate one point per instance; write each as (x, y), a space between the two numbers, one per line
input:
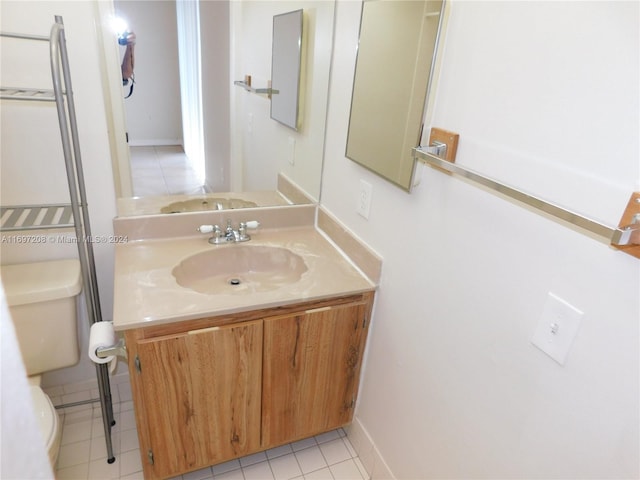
(164, 113)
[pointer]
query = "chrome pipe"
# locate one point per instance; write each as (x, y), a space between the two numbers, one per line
(71, 151)
(24, 36)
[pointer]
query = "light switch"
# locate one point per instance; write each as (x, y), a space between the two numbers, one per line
(557, 328)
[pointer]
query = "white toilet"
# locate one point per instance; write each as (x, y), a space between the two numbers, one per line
(42, 302)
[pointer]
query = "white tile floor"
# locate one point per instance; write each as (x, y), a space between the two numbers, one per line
(83, 452)
(162, 170)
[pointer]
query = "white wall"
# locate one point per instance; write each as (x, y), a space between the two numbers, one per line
(545, 97)
(24, 455)
(215, 38)
(262, 143)
(32, 165)
(153, 110)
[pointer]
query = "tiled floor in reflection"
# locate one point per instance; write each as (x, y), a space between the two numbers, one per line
(162, 170)
(83, 452)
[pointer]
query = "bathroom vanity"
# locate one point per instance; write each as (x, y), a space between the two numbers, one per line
(213, 389)
(224, 374)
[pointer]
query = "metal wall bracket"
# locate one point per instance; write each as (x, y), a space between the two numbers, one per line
(118, 350)
(260, 91)
(439, 137)
(436, 148)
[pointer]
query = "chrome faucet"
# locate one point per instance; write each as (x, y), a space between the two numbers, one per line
(229, 235)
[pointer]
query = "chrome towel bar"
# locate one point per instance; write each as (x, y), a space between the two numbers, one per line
(617, 236)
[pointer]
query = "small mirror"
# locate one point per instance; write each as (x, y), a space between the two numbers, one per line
(285, 67)
(396, 49)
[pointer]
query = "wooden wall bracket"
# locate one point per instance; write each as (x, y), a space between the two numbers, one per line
(631, 216)
(450, 139)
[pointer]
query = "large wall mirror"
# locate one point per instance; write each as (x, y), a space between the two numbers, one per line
(248, 159)
(397, 44)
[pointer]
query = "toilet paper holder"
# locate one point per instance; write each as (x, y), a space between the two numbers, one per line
(118, 350)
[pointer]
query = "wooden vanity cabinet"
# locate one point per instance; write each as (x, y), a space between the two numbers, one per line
(311, 369)
(197, 397)
(210, 390)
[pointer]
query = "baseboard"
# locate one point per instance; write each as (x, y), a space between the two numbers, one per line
(158, 142)
(367, 451)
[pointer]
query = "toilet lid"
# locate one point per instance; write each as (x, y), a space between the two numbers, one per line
(40, 281)
(45, 413)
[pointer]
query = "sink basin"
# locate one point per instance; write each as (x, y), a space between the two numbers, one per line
(207, 203)
(236, 269)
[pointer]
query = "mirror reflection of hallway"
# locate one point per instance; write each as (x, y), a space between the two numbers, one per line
(163, 170)
(164, 67)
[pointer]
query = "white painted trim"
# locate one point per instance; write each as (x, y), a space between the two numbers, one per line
(188, 16)
(114, 103)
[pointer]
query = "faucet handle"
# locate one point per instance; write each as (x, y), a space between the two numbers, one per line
(217, 232)
(217, 236)
(205, 228)
(243, 236)
(252, 224)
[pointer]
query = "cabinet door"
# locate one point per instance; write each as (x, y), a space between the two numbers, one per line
(201, 396)
(310, 371)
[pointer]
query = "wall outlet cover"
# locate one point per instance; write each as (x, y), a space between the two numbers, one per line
(292, 150)
(557, 328)
(364, 199)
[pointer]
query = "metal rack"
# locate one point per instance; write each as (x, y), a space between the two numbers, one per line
(27, 217)
(74, 215)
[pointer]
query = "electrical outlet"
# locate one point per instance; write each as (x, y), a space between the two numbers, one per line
(364, 199)
(292, 150)
(557, 328)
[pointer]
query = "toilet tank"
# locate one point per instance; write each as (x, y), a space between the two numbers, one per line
(42, 299)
